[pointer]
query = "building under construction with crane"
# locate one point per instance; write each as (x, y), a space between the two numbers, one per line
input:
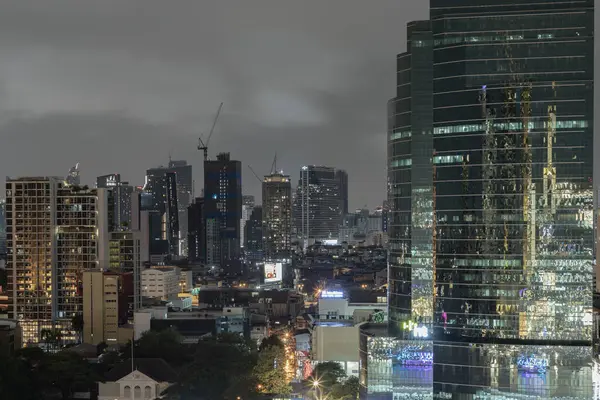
(277, 214)
(223, 211)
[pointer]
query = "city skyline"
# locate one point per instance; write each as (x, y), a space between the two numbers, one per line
(64, 84)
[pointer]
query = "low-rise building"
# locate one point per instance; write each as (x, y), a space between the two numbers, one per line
(336, 341)
(193, 325)
(148, 380)
(160, 282)
(107, 305)
(10, 337)
(357, 305)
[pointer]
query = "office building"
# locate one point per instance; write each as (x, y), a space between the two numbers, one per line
(342, 178)
(277, 216)
(161, 185)
(197, 231)
(254, 247)
(317, 207)
(223, 211)
(2, 228)
(247, 207)
(122, 193)
(161, 282)
(129, 252)
(490, 153)
(55, 232)
(106, 307)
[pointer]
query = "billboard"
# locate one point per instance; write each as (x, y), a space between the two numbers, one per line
(273, 272)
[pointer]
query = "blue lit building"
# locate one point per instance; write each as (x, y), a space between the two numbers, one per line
(223, 211)
(490, 154)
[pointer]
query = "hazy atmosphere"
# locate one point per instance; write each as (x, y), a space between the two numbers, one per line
(126, 83)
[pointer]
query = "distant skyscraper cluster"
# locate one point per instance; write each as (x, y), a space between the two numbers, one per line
(68, 245)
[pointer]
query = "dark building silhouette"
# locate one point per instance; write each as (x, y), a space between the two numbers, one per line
(122, 193)
(223, 211)
(196, 231)
(254, 246)
(342, 178)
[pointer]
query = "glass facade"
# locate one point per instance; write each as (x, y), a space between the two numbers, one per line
(490, 156)
(318, 203)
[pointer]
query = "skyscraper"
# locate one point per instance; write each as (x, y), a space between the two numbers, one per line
(247, 207)
(254, 236)
(122, 193)
(196, 231)
(161, 184)
(490, 189)
(55, 232)
(223, 211)
(185, 192)
(342, 178)
(2, 228)
(277, 216)
(317, 208)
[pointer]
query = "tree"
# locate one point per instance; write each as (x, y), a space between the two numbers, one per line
(77, 324)
(67, 372)
(220, 365)
(18, 379)
(33, 374)
(269, 371)
(165, 344)
(52, 338)
(347, 390)
(272, 340)
(328, 373)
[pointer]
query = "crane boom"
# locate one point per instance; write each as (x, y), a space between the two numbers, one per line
(255, 174)
(202, 145)
(212, 129)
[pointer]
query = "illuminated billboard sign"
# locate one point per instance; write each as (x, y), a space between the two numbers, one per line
(332, 294)
(273, 272)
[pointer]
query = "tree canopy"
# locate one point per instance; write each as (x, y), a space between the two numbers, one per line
(32, 374)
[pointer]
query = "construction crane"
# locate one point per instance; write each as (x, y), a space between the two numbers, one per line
(204, 145)
(273, 169)
(255, 174)
(274, 165)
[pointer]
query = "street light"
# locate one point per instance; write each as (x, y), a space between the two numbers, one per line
(317, 385)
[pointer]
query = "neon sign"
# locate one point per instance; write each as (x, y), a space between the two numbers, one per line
(532, 363)
(332, 294)
(415, 356)
(418, 331)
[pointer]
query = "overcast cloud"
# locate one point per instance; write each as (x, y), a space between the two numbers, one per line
(118, 85)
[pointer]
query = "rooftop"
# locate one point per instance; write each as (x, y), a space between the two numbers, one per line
(155, 368)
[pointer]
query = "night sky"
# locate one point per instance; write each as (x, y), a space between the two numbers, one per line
(120, 85)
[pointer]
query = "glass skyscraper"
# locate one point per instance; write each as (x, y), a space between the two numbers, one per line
(490, 153)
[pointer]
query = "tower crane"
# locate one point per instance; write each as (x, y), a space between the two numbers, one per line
(204, 145)
(273, 169)
(255, 174)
